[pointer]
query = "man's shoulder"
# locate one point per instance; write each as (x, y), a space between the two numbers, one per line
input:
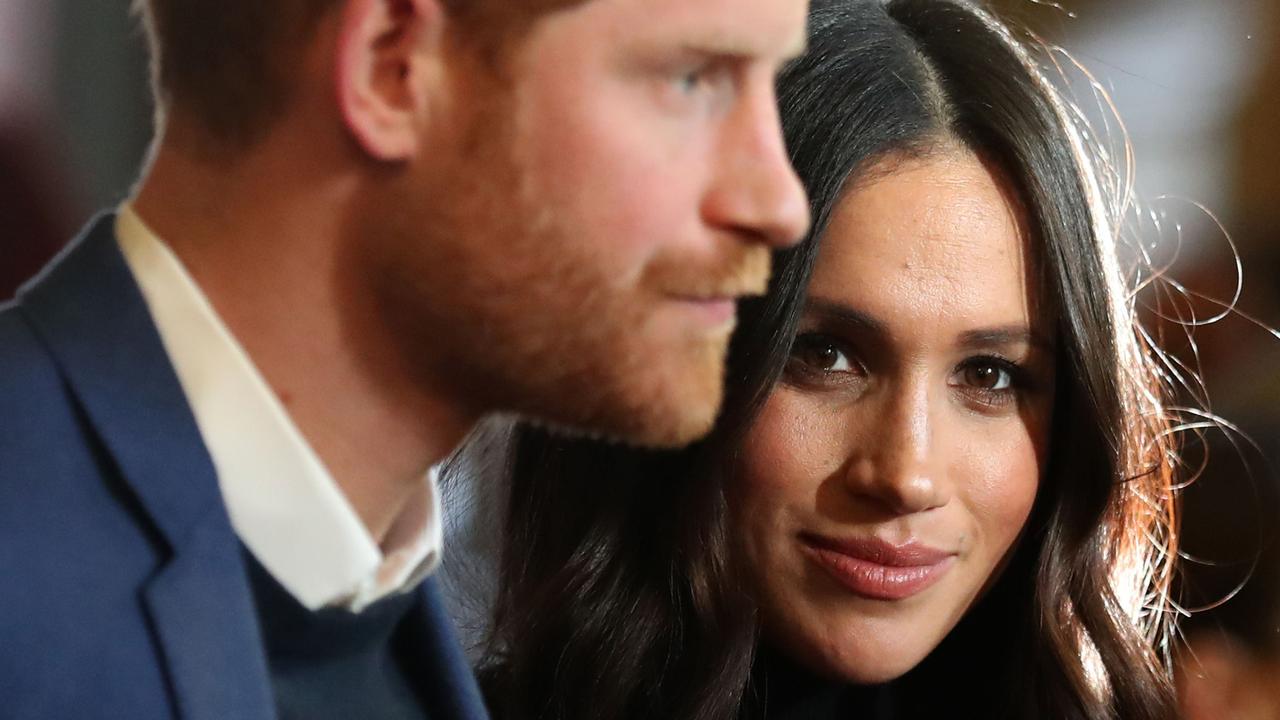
(58, 323)
(30, 385)
(50, 455)
(89, 403)
(73, 550)
(43, 437)
(63, 508)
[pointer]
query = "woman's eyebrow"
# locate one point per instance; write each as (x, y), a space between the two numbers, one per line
(999, 335)
(846, 315)
(1004, 335)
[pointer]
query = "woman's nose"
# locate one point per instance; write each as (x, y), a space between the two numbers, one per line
(897, 462)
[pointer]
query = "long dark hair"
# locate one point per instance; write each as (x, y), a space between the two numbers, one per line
(618, 595)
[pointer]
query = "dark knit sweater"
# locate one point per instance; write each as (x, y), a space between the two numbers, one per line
(781, 690)
(332, 663)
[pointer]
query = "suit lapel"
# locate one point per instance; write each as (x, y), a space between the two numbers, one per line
(91, 315)
(437, 659)
(207, 625)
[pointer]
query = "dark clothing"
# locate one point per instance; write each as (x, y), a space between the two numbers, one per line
(124, 591)
(782, 690)
(331, 663)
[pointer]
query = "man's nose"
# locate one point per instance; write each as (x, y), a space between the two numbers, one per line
(757, 192)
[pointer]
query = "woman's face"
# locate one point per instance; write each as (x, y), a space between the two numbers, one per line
(891, 472)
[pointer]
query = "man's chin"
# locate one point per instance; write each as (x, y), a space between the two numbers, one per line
(666, 420)
(676, 431)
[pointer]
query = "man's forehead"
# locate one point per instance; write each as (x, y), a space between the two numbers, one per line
(760, 28)
(502, 21)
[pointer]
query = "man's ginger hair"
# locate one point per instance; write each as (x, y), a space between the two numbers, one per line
(227, 64)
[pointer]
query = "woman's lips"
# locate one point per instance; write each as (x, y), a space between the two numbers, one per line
(876, 569)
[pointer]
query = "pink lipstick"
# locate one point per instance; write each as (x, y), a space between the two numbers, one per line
(878, 570)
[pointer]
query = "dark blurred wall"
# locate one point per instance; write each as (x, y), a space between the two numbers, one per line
(73, 126)
(102, 99)
(33, 216)
(1258, 153)
(1233, 516)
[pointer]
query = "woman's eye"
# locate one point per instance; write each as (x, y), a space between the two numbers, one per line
(992, 383)
(818, 353)
(988, 376)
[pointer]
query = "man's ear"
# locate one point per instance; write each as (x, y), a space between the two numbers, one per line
(388, 69)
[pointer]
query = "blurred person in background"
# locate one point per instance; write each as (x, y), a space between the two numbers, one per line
(364, 225)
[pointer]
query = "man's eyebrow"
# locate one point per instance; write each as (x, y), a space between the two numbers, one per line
(1005, 335)
(726, 46)
(725, 51)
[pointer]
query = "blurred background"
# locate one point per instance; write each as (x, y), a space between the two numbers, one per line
(1197, 86)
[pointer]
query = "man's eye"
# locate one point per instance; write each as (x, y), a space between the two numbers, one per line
(691, 81)
(702, 78)
(713, 81)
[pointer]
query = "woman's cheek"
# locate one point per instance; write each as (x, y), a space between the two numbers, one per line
(790, 449)
(1005, 479)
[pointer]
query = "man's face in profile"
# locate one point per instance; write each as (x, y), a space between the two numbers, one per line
(603, 193)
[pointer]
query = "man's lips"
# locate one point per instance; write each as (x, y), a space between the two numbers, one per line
(712, 310)
(717, 311)
(876, 569)
(715, 301)
(720, 293)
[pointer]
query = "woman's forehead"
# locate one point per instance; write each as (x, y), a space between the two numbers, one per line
(937, 235)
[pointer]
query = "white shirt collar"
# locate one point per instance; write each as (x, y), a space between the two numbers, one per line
(284, 505)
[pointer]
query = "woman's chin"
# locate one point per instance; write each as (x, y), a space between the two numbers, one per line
(850, 645)
(875, 672)
(870, 664)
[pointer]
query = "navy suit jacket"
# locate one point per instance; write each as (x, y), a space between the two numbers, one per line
(123, 591)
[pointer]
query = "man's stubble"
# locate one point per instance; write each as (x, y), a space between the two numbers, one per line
(506, 307)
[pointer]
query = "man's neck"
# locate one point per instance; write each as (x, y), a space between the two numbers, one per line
(266, 249)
